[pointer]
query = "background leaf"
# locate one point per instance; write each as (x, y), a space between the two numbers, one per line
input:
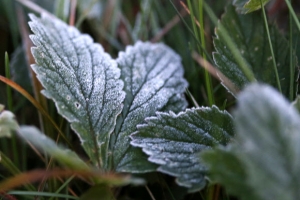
(7, 122)
(267, 147)
(153, 81)
(174, 141)
(249, 34)
(81, 79)
(65, 157)
(225, 168)
(247, 6)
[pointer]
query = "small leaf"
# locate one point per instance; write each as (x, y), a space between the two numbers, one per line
(266, 146)
(66, 157)
(249, 34)
(174, 141)
(247, 6)
(153, 81)
(7, 122)
(81, 79)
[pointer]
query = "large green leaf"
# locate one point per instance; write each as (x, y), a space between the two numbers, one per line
(267, 147)
(82, 80)
(249, 34)
(8, 124)
(246, 6)
(174, 141)
(66, 157)
(153, 81)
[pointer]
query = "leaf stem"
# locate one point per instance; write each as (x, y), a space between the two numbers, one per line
(231, 46)
(271, 47)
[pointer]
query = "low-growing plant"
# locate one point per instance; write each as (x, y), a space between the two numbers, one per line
(130, 113)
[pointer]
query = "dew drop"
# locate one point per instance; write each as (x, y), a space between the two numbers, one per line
(68, 97)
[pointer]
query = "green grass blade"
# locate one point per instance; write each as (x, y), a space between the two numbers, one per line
(208, 82)
(63, 186)
(191, 31)
(271, 47)
(292, 12)
(14, 147)
(11, 167)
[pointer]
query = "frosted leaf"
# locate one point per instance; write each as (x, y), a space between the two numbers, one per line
(81, 79)
(174, 141)
(248, 32)
(65, 157)
(7, 122)
(264, 161)
(153, 81)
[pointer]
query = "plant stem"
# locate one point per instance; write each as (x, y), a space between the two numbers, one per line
(208, 82)
(271, 47)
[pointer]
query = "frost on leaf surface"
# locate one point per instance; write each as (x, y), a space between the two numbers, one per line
(268, 135)
(266, 146)
(153, 81)
(246, 6)
(81, 79)
(248, 32)
(174, 141)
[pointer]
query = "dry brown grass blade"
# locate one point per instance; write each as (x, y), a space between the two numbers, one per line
(175, 20)
(215, 73)
(40, 174)
(72, 12)
(189, 12)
